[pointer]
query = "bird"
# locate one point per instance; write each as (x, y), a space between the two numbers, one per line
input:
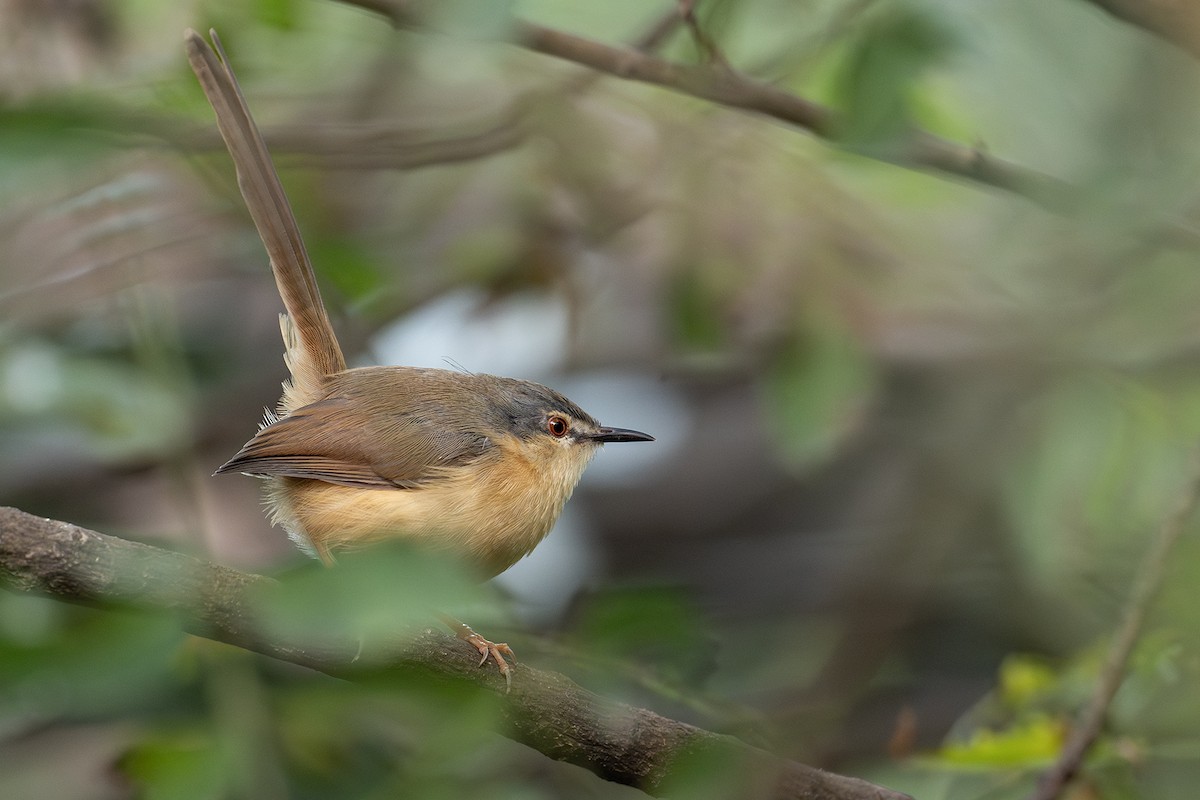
(474, 464)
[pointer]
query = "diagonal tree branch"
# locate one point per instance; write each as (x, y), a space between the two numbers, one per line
(545, 710)
(1174, 21)
(358, 147)
(730, 88)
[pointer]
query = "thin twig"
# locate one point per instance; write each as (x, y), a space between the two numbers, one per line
(707, 45)
(1146, 585)
(658, 32)
(653, 38)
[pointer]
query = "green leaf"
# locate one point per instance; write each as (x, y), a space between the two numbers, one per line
(98, 663)
(815, 391)
(345, 263)
(393, 587)
(1104, 460)
(713, 771)
(878, 83)
(281, 14)
(1030, 743)
(107, 407)
(1024, 678)
(185, 765)
(695, 312)
(651, 625)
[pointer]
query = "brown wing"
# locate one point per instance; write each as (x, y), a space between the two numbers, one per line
(349, 441)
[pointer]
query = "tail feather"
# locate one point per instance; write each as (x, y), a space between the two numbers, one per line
(312, 350)
(306, 373)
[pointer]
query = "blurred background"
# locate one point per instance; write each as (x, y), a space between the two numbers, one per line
(914, 432)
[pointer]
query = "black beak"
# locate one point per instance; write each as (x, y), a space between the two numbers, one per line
(620, 435)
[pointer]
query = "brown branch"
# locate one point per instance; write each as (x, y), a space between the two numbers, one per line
(1146, 585)
(653, 38)
(658, 32)
(719, 86)
(735, 90)
(350, 147)
(360, 147)
(1176, 22)
(704, 43)
(544, 710)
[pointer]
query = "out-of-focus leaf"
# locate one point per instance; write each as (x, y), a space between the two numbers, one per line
(1022, 724)
(339, 258)
(281, 14)
(654, 626)
(1105, 459)
(815, 392)
(28, 620)
(878, 82)
(184, 765)
(1023, 679)
(104, 662)
(711, 773)
(331, 729)
(56, 128)
(696, 311)
(109, 408)
(376, 594)
(1032, 742)
(347, 266)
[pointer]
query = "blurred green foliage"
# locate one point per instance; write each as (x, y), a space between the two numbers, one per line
(817, 389)
(881, 77)
(946, 421)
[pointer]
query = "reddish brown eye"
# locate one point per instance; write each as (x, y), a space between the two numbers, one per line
(557, 426)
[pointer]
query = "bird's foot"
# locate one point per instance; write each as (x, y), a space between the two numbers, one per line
(487, 649)
(494, 650)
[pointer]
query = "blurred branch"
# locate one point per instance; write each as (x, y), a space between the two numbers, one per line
(1146, 584)
(545, 710)
(389, 147)
(706, 44)
(1174, 22)
(366, 148)
(655, 35)
(359, 146)
(730, 88)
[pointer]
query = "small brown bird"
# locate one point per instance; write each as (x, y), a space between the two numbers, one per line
(476, 464)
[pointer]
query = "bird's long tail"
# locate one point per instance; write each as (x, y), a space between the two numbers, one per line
(312, 350)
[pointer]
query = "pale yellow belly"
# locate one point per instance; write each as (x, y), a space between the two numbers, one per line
(492, 520)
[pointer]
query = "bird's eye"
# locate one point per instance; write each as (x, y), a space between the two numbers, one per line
(557, 426)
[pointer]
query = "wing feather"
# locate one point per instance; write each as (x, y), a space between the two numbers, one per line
(340, 440)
